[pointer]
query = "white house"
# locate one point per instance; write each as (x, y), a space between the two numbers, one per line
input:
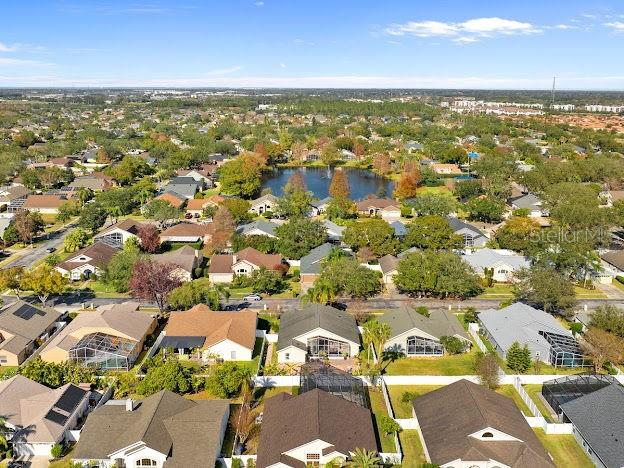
(84, 263)
(263, 204)
(223, 267)
(503, 263)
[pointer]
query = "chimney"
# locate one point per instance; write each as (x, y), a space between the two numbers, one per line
(129, 404)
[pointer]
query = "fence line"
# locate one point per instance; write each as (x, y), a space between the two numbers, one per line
(473, 329)
(526, 398)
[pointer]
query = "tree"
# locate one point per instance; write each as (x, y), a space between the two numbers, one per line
(119, 270)
(171, 375)
(519, 358)
(608, 318)
(344, 276)
(11, 279)
(468, 189)
(298, 236)
(226, 379)
(44, 281)
(323, 291)
(241, 177)
(149, 238)
(407, 187)
(160, 210)
(437, 274)
(67, 211)
(11, 236)
(431, 232)
(223, 228)
(295, 203)
(239, 209)
(295, 182)
(376, 333)
(153, 281)
(84, 195)
(92, 217)
(375, 234)
(266, 281)
(601, 347)
(546, 289)
(199, 291)
(330, 154)
(453, 345)
(362, 458)
(55, 375)
(432, 204)
(487, 370)
(517, 234)
(75, 240)
(389, 426)
(485, 209)
(28, 224)
(341, 208)
(339, 186)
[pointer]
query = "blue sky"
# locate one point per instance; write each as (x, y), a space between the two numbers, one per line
(320, 43)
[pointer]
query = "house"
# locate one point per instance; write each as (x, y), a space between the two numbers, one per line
(187, 232)
(173, 198)
(204, 174)
(223, 267)
(413, 146)
(44, 204)
(108, 338)
(310, 265)
(445, 169)
(316, 331)
(504, 264)
(23, 327)
(119, 233)
(529, 202)
(320, 206)
(95, 181)
(388, 264)
(613, 262)
(86, 262)
(334, 231)
(263, 204)
(547, 340)
(229, 336)
(481, 429)
(385, 208)
(38, 417)
(400, 230)
(259, 227)
(471, 235)
(414, 334)
(186, 259)
(597, 418)
(185, 186)
(162, 430)
(312, 429)
(11, 197)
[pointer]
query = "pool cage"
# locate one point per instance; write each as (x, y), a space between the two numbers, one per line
(564, 351)
(104, 351)
(316, 374)
(562, 390)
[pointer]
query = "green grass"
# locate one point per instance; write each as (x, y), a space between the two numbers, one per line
(458, 364)
(582, 293)
(240, 292)
(255, 357)
(64, 461)
(403, 410)
(378, 407)
(618, 285)
(566, 452)
(510, 392)
(497, 291)
(413, 453)
(441, 189)
(534, 391)
(5, 369)
(102, 290)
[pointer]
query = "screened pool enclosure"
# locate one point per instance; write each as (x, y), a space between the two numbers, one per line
(104, 351)
(562, 390)
(317, 374)
(564, 351)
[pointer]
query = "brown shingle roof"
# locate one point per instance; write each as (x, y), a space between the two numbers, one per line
(129, 225)
(255, 257)
(99, 252)
(239, 327)
(373, 202)
(187, 230)
(292, 421)
(449, 415)
(172, 199)
(43, 201)
(221, 263)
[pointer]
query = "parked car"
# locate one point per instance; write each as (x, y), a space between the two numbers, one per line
(51, 249)
(252, 297)
(188, 215)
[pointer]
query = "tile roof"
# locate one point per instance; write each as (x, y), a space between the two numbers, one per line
(174, 199)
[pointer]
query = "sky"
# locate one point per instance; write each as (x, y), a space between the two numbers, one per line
(320, 43)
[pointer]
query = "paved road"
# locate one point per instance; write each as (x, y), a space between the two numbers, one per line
(31, 256)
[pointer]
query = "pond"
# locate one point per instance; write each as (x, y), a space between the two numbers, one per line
(362, 182)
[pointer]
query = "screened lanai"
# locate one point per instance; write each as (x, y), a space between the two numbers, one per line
(104, 352)
(316, 374)
(562, 390)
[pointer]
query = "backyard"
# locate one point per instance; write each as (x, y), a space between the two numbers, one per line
(378, 407)
(566, 452)
(455, 364)
(535, 392)
(413, 454)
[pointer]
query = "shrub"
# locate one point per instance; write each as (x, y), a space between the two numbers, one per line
(56, 451)
(408, 397)
(470, 316)
(388, 426)
(237, 463)
(453, 345)
(422, 310)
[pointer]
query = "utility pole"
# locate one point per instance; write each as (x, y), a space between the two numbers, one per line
(552, 94)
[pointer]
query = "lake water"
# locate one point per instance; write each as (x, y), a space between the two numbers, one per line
(361, 181)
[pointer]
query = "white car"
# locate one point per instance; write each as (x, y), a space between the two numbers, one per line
(252, 297)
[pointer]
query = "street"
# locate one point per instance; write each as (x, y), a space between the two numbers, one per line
(29, 256)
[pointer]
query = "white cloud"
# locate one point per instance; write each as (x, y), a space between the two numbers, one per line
(282, 65)
(18, 47)
(564, 26)
(300, 41)
(616, 26)
(259, 4)
(16, 62)
(465, 32)
(224, 71)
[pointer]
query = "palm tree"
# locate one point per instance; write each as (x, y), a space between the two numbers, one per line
(4, 443)
(322, 292)
(115, 213)
(84, 195)
(362, 458)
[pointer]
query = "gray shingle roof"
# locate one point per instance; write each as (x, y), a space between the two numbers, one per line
(311, 263)
(599, 417)
(487, 258)
(439, 323)
(297, 322)
(29, 321)
(529, 201)
(261, 224)
(458, 225)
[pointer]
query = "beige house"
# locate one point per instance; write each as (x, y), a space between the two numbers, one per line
(223, 267)
(185, 260)
(44, 204)
(23, 327)
(110, 337)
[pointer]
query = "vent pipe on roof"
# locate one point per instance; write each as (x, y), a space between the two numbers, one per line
(129, 404)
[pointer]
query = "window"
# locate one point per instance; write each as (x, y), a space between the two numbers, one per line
(321, 346)
(146, 462)
(233, 355)
(486, 435)
(3, 360)
(417, 346)
(468, 240)
(288, 356)
(313, 456)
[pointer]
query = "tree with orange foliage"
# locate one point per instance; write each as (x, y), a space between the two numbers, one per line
(223, 228)
(339, 186)
(381, 163)
(408, 185)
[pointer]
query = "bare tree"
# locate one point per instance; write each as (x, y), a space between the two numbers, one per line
(487, 369)
(601, 347)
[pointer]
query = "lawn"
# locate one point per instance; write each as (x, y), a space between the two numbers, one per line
(439, 190)
(378, 407)
(64, 461)
(458, 364)
(497, 291)
(510, 392)
(566, 452)
(102, 290)
(403, 410)
(535, 391)
(255, 357)
(413, 454)
(582, 293)
(5, 369)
